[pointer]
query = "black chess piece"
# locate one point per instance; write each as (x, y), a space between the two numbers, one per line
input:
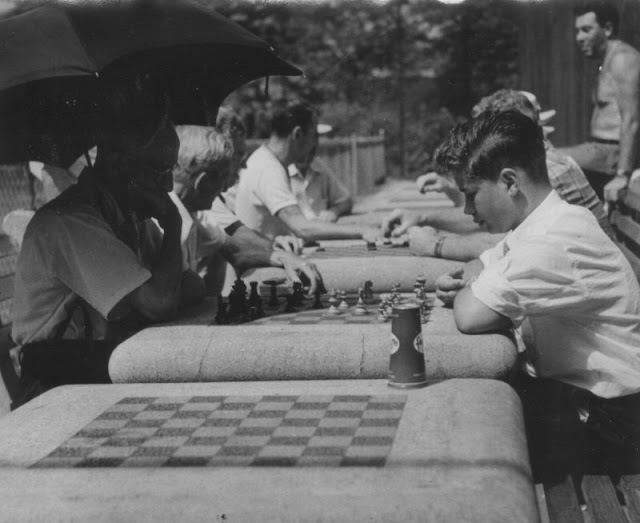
(273, 293)
(255, 302)
(371, 246)
(317, 303)
(221, 314)
(290, 304)
(298, 294)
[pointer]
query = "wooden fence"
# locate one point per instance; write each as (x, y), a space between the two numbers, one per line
(358, 161)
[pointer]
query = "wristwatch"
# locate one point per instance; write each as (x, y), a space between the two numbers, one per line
(623, 173)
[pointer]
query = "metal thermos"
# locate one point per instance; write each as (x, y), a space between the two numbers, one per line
(406, 366)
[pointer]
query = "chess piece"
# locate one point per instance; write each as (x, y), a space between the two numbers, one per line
(221, 314)
(255, 302)
(273, 293)
(360, 309)
(344, 306)
(317, 304)
(371, 246)
(334, 310)
(290, 304)
(368, 291)
(298, 294)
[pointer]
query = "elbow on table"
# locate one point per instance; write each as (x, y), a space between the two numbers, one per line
(466, 323)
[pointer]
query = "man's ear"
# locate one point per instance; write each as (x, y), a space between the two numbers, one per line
(608, 29)
(297, 133)
(509, 178)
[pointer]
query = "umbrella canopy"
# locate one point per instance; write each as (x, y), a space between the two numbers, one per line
(50, 56)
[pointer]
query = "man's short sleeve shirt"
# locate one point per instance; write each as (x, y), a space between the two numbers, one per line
(264, 190)
(69, 252)
(560, 272)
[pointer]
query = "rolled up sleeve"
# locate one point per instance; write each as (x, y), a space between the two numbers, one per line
(536, 278)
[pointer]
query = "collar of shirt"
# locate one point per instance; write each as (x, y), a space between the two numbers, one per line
(536, 222)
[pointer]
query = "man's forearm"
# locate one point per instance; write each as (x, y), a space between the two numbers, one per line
(628, 145)
(466, 248)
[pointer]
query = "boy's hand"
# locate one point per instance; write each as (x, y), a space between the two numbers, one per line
(449, 285)
(422, 240)
(432, 182)
(398, 222)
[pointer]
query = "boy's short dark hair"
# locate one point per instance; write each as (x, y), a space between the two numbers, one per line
(481, 147)
(604, 10)
(286, 119)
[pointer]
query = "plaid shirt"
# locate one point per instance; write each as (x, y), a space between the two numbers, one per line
(568, 180)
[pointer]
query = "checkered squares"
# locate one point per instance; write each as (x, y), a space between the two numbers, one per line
(304, 430)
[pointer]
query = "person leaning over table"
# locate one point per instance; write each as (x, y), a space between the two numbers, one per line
(87, 276)
(205, 162)
(560, 283)
(320, 194)
(565, 177)
(265, 201)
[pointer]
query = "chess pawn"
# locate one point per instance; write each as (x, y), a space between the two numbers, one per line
(360, 309)
(334, 310)
(344, 306)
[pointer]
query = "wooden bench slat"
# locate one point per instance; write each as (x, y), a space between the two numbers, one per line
(632, 200)
(631, 257)
(630, 486)
(626, 225)
(562, 503)
(602, 500)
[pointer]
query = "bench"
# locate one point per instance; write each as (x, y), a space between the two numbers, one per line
(625, 220)
(593, 499)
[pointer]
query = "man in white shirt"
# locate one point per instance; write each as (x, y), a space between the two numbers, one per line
(265, 201)
(556, 277)
(320, 194)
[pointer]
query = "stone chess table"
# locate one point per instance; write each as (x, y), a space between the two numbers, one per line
(351, 450)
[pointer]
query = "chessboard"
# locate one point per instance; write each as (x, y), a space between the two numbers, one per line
(296, 307)
(177, 431)
(359, 251)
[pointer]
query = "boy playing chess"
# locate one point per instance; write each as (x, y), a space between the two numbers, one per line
(561, 283)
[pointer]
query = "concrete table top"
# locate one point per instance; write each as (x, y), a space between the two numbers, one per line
(194, 350)
(456, 452)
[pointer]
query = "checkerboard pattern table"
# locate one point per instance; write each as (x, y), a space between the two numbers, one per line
(304, 430)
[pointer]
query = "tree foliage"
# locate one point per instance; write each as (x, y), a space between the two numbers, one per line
(361, 59)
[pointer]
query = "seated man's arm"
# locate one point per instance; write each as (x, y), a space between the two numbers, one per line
(474, 317)
(338, 199)
(426, 241)
(247, 249)
(336, 209)
(311, 230)
(625, 69)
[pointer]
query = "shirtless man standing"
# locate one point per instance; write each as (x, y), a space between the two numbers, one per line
(611, 155)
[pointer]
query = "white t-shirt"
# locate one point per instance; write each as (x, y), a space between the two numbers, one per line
(578, 294)
(319, 190)
(263, 190)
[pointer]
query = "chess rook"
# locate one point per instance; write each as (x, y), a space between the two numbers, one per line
(406, 364)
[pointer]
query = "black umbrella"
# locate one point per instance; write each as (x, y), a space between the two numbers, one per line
(55, 65)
